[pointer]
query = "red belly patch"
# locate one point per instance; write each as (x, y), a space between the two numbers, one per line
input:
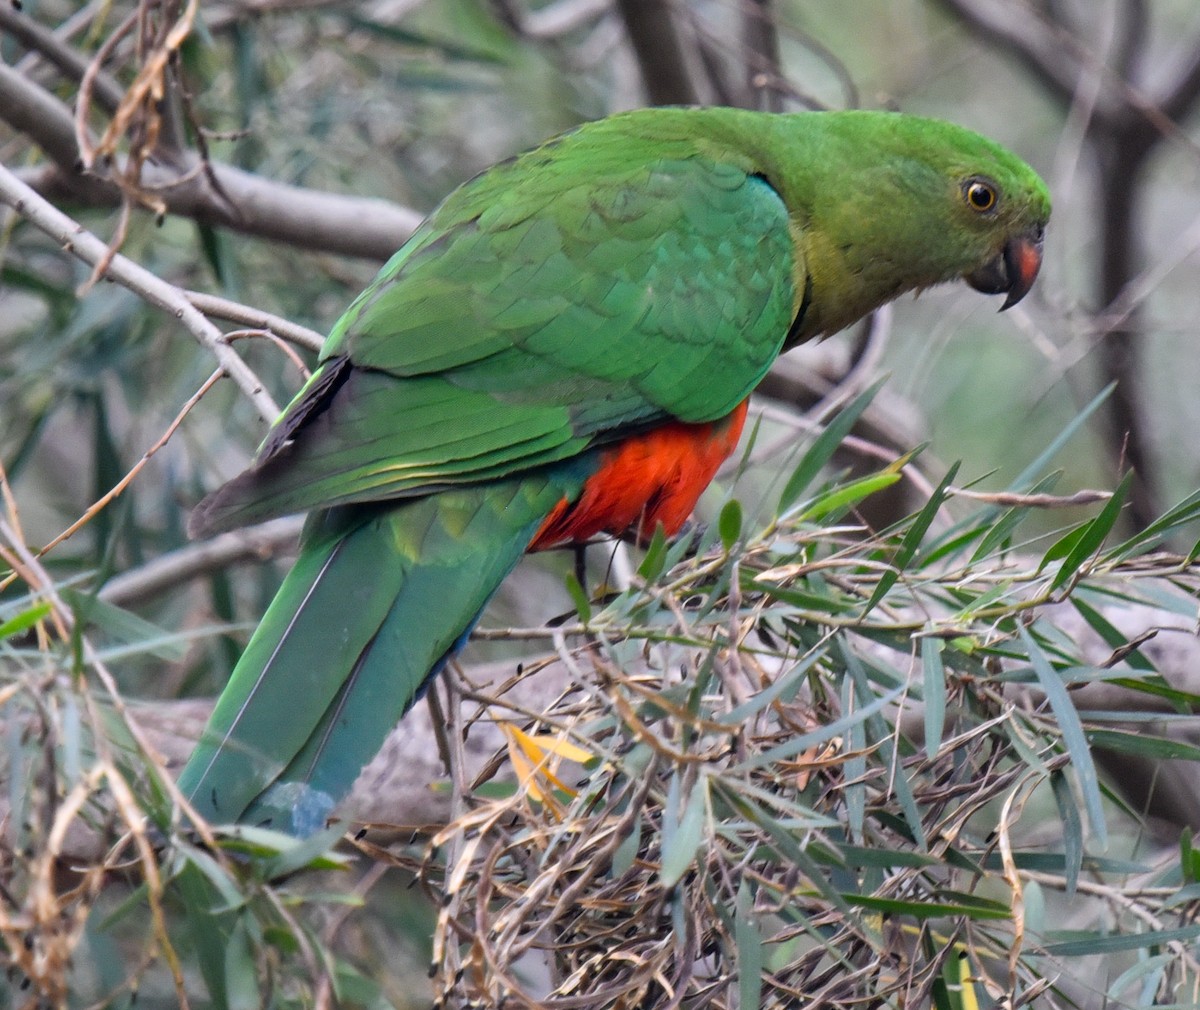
(647, 479)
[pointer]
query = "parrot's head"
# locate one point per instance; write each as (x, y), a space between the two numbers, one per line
(905, 203)
(982, 211)
(1005, 211)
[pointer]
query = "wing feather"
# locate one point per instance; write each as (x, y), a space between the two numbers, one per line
(556, 301)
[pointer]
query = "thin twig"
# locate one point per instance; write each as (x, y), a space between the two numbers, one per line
(18, 555)
(87, 152)
(215, 194)
(102, 502)
(1010, 499)
(247, 315)
(75, 239)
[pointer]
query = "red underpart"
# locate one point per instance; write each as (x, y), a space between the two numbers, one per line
(652, 478)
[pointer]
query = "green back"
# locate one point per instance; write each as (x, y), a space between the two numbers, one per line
(596, 286)
(645, 267)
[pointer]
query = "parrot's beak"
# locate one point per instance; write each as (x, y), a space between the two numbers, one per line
(1013, 271)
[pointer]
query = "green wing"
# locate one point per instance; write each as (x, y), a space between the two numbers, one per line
(378, 599)
(595, 286)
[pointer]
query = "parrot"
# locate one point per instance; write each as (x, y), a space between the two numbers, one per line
(564, 349)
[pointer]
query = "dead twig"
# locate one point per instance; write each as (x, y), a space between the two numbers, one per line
(78, 241)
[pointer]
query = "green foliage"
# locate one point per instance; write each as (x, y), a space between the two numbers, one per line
(787, 805)
(848, 791)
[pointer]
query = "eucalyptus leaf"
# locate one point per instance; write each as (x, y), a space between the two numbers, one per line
(933, 692)
(751, 958)
(681, 845)
(1073, 735)
(825, 445)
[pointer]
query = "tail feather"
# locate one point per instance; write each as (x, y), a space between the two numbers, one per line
(378, 599)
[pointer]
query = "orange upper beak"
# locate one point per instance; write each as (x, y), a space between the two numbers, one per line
(1013, 271)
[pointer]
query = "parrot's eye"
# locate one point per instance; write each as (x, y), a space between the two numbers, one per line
(980, 195)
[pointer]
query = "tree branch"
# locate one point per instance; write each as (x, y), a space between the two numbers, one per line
(241, 201)
(1130, 39)
(246, 315)
(1180, 100)
(655, 41)
(165, 573)
(367, 227)
(1044, 56)
(760, 39)
(75, 239)
(38, 39)
(33, 111)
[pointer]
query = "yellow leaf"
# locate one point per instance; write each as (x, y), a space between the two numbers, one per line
(970, 1000)
(531, 756)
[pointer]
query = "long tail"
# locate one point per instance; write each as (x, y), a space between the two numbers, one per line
(379, 598)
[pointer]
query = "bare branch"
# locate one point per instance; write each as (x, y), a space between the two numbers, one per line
(1130, 38)
(761, 41)
(66, 30)
(307, 218)
(1010, 499)
(235, 312)
(70, 62)
(74, 238)
(1180, 100)
(713, 42)
(242, 201)
(168, 571)
(35, 112)
(655, 40)
(1040, 51)
(714, 70)
(368, 227)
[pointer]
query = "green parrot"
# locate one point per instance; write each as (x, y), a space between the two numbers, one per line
(564, 348)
